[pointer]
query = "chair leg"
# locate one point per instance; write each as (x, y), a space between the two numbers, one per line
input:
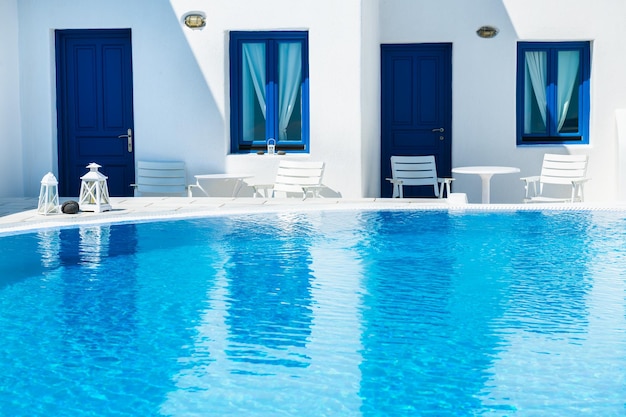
(445, 186)
(582, 193)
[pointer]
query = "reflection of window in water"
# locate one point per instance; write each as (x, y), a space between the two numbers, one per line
(269, 314)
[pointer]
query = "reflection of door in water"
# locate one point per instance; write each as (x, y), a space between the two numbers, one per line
(95, 107)
(416, 93)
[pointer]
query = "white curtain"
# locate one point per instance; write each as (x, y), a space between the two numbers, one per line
(289, 81)
(568, 69)
(253, 78)
(536, 64)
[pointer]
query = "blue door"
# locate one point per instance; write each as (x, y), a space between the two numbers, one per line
(416, 103)
(95, 107)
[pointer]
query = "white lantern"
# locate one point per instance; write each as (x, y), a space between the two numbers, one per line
(94, 192)
(49, 195)
(271, 146)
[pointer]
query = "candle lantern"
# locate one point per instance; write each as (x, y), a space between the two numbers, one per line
(94, 192)
(271, 146)
(48, 195)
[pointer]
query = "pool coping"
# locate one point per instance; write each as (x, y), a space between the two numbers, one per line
(20, 214)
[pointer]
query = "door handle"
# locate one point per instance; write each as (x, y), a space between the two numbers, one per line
(439, 129)
(129, 136)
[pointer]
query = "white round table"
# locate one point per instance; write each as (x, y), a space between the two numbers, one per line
(239, 180)
(485, 172)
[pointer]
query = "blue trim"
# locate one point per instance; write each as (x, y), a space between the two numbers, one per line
(552, 137)
(271, 40)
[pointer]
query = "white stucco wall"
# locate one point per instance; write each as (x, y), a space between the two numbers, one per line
(173, 105)
(10, 129)
(181, 86)
(370, 98)
(181, 101)
(484, 80)
(335, 82)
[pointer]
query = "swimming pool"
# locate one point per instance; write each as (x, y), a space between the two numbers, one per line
(351, 313)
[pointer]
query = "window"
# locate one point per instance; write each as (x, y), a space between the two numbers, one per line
(269, 81)
(553, 93)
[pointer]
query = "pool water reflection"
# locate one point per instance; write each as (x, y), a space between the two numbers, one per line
(365, 313)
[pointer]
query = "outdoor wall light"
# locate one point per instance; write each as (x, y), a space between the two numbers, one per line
(195, 21)
(487, 32)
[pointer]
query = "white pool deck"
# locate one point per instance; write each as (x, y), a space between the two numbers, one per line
(20, 214)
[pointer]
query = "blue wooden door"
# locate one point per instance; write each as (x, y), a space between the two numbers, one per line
(416, 103)
(95, 107)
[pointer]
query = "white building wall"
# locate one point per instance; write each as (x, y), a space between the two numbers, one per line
(173, 105)
(370, 98)
(10, 130)
(484, 77)
(335, 81)
(181, 85)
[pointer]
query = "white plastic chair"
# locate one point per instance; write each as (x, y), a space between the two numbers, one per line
(160, 178)
(294, 177)
(416, 170)
(558, 172)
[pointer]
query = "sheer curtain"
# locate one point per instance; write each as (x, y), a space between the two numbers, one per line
(568, 70)
(289, 81)
(536, 65)
(253, 80)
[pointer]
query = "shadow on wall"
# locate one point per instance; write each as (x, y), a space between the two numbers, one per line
(175, 106)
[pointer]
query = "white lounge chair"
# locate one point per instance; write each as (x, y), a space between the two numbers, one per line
(558, 172)
(416, 170)
(166, 178)
(299, 178)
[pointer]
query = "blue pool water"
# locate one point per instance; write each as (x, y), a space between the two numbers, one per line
(339, 313)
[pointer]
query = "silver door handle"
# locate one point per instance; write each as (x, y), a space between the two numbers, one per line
(440, 129)
(130, 139)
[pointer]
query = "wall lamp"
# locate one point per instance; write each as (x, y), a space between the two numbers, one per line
(487, 32)
(195, 20)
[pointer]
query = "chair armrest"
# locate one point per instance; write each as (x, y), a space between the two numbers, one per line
(445, 180)
(530, 180)
(580, 181)
(397, 187)
(394, 181)
(534, 178)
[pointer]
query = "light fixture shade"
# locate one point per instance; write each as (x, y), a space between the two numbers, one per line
(49, 195)
(487, 32)
(94, 191)
(195, 21)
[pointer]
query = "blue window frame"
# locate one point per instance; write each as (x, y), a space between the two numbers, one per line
(553, 92)
(269, 87)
